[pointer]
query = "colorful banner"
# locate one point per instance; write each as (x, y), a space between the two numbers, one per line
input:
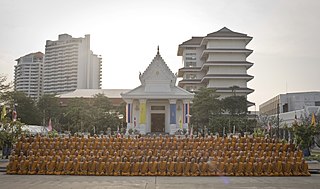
(173, 113)
(186, 113)
(143, 113)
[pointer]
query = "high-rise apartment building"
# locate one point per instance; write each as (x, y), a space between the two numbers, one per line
(28, 74)
(70, 65)
(216, 61)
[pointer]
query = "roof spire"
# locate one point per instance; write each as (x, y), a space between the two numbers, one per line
(158, 50)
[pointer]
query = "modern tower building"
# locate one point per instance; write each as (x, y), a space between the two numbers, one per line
(28, 74)
(70, 65)
(218, 61)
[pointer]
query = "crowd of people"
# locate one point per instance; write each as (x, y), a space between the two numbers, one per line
(156, 156)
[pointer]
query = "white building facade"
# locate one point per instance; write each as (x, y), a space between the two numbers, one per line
(28, 75)
(157, 105)
(218, 61)
(290, 102)
(292, 107)
(70, 65)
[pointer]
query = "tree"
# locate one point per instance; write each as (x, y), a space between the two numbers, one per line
(205, 104)
(27, 111)
(4, 85)
(304, 135)
(49, 107)
(235, 105)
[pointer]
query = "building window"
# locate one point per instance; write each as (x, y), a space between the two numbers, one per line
(157, 107)
(191, 88)
(192, 54)
(317, 103)
(191, 58)
(285, 108)
(191, 64)
(191, 48)
(191, 76)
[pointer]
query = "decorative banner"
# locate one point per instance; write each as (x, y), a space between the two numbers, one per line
(173, 113)
(186, 114)
(143, 113)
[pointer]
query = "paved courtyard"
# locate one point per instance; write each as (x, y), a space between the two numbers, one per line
(96, 182)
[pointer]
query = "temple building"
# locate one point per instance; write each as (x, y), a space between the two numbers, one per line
(157, 105)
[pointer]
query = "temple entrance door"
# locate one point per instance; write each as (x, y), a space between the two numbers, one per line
(157, 122)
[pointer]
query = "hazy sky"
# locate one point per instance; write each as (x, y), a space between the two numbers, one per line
(286, 36)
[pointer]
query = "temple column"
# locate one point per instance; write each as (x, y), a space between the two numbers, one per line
(143, 116)
(129, 114)
(186, 114)
(173, 116)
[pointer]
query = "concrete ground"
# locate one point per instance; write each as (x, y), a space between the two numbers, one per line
(96, 182)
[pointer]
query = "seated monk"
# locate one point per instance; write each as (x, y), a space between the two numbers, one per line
(153, 167)
(304, 168)
(117, 167)
(248, 168)
(286, 167)
(194, 168)
(257, 167)
(109, 167)
(76, 167)
(125, 167)
(42, 166)
(100, 167)
(162, 167)
(212, 167)
(135, 167)
(186, 167)
(239, 167)
(277, 167)
(144, 168)
(59, 166)
(171, 167)
(203, 167)
(221, 167)
(24, 166)
(229, 168)
(68, 166)
(50, 166)
(295, 167)
(92, 166)
(12, 167)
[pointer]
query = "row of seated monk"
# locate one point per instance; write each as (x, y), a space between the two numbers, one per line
(157, 167)
(160, 153)
(144, 141)
(225, 156)
(171, 146)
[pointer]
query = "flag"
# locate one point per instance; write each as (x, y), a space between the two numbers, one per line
(313, 120)
(3, 112)
(143, 113)
(14, 113)
(269, 126)
(49, 125)
(295, 118)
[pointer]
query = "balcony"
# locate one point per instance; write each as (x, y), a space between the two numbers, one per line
(188, 69)
(206, 52)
